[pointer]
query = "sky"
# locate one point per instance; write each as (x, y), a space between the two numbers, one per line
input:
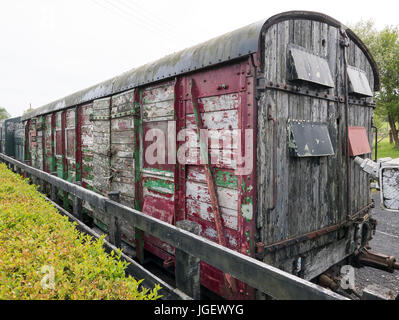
(52, 48)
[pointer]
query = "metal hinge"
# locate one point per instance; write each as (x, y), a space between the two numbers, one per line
(99, 118)
(124, 114)
(344, 41)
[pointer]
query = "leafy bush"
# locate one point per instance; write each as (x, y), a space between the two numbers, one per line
(38, 245)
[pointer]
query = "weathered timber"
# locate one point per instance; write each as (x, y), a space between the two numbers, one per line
(78, 206)
(292, 71)
(114, 229)
(311, 191)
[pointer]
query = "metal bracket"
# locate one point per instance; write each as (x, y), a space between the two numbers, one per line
(98, 118)
(262, 84)
(344, 41)
(124, 114)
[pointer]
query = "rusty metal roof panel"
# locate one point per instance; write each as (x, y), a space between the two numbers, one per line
(306, 66)
(233, 45)
(227, 47)
(309, 139)
(358, 83)
(98, 91)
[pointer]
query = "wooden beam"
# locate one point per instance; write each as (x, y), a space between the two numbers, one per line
(78, 205)
(134, 269)
(114, 231)
(188, 266)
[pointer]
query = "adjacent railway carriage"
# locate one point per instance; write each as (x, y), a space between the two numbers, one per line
(12, 138)
(251, 135)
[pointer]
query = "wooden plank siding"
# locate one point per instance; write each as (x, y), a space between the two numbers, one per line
(157, 181)
(36, 134)
(122, 148)
(87, 147)
(122, 164)
(70, 144)
(48, 141)
(101, 155)
(310, 191)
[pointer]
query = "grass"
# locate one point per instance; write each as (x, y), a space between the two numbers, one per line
(385, 150)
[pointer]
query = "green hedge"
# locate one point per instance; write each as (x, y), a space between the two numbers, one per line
(43, 255)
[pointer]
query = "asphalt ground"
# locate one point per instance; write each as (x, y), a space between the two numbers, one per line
(385, 241)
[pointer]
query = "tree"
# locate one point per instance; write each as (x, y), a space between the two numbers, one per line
(4, 114)
(384, 46)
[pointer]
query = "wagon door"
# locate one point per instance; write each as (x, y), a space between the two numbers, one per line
(156, 174)
(59, 144)
(221, 101)
(36, 140)
(70, 144)
(19, 142)
(10, 137)
(49, 159)
(86, 151)
(122, 164)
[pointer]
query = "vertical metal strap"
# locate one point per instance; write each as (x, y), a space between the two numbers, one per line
(270, 118)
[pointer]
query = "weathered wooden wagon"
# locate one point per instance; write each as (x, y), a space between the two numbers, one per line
(283, 105)
(12, 138)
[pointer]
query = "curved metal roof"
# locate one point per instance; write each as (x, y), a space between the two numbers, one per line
(230, 46)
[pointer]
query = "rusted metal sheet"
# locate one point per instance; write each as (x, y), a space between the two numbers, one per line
(358, 141)
(358, 82)
(306, 66)
(310, 139)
